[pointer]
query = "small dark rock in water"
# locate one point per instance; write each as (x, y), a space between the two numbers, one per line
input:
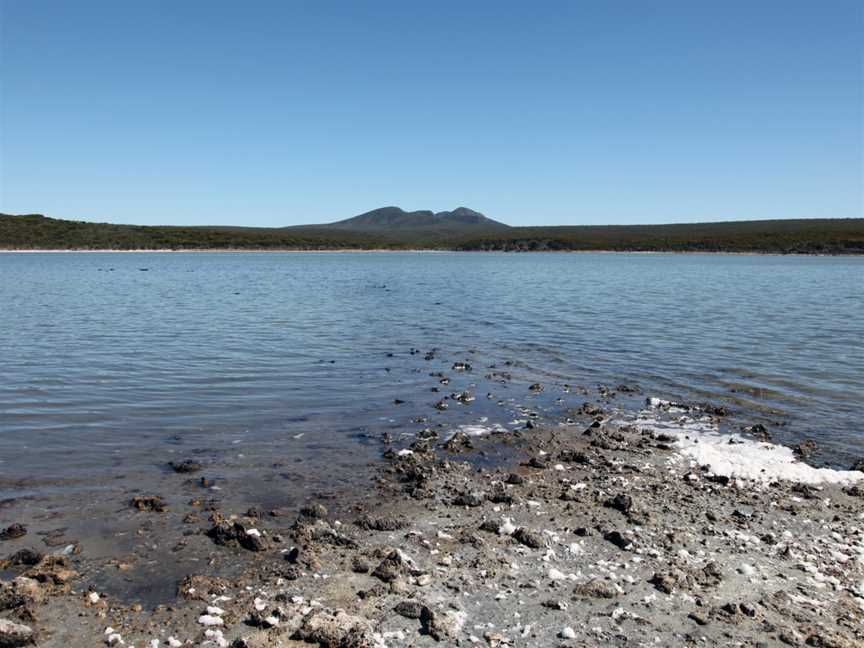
(464, 397)
(858, 465)
(26, 557)
(618, 540)
(461, 366)
(457, 442)
(758, 430)
(151, 503)
(13, 531)
(398, 401)
(804, 449)
(409, 609)
(528, 538)
(185, 466)
(530, 425)
(621, 503)
(536, 387)
(441, 405)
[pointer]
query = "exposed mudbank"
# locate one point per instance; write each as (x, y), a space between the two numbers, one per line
(649, 526)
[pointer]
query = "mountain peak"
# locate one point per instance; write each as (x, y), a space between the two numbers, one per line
(391, 217)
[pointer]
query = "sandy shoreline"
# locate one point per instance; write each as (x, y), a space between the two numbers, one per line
(602, 530)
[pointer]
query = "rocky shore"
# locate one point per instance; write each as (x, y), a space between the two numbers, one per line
(603, 530)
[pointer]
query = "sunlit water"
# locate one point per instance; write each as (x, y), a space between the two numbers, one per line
(113, 364)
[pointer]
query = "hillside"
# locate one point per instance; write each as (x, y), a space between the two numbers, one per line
(462, 229)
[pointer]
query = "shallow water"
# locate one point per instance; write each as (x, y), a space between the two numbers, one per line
(113, 364)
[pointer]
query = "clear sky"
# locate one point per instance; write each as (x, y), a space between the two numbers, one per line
(278, 113)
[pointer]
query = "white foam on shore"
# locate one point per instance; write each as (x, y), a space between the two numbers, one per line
(731, 455)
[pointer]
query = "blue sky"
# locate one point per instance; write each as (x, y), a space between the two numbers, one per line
(277, 113)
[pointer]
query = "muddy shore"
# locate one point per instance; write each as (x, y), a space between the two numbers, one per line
(600, 530)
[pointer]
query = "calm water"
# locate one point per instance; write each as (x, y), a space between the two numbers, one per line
(108, 370)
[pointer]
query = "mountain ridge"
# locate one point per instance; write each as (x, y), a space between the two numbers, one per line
(395, 217)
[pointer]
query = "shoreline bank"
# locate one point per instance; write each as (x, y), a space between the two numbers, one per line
(418, 251)
(601, 530)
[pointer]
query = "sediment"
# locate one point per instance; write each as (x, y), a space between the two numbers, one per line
(598, 532)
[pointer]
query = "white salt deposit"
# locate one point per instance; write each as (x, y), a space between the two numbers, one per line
(765, 462)
(481, 430)
(730, 455)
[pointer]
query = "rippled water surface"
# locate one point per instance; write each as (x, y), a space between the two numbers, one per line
(110, 364)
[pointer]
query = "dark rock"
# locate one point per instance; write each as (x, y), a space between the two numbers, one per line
(392, 567)
(595, 589)
(515, 479)
(490, 526)
(442, 626)
(618, 540)
(528, 538)
(620, 502)
(536, 387)
(314, 511)
(468, 499)
(458, 442)
(186, 466)
(13, 531)
(150, 503)
(574, 456)
(384, 523)
(360, 565)
(235, 534)
(804, 449)
(409, 609)
(26, 557)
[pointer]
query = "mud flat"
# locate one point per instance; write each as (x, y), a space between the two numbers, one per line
(647, 528)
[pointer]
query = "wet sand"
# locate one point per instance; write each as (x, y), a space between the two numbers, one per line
(598, 530)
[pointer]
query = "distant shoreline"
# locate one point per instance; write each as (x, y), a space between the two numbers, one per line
(415, 251)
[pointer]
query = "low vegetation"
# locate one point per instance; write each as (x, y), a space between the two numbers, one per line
(813, 236)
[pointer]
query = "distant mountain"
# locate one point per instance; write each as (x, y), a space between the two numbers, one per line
(389, 218)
